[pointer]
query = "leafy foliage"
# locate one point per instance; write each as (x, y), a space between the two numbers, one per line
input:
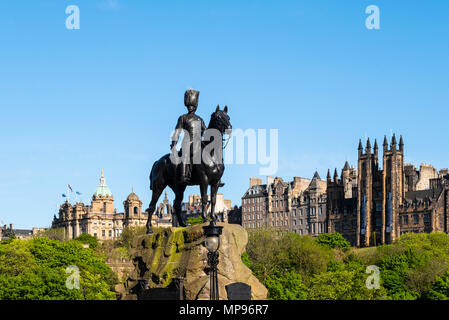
(285, 286)
(36, 269)
(326, 268)
(195, 220)
(333, 240)
(86, 238)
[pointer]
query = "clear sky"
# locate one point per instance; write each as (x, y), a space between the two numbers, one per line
(108, 95)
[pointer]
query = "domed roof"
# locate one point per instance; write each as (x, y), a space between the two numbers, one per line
(102, 189)
(132, 197)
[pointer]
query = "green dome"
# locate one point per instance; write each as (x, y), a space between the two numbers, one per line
(102, 189)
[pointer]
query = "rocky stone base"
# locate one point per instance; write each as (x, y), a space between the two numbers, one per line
(179, 253)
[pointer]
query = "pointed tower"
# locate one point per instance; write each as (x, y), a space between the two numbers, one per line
(393, 142)
(368, 146)
(336, 180)
(385, 144)
(401, 144)
(360, 148)
(376, 153)
(366, 175)
(393, 190)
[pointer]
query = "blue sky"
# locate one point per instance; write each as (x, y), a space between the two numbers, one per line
(108, 95)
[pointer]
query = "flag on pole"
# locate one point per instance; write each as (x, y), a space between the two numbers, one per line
(70, 188)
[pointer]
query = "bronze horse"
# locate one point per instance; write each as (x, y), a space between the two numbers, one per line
(164, 173)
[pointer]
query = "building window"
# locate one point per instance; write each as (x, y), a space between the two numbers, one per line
(415, 219)
(110, 233)
(379, 206)
(405, 219)
(103, 233)
(426, 218)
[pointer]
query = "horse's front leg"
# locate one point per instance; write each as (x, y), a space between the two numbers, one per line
(213, 200)
(179, 195)
(203, 191)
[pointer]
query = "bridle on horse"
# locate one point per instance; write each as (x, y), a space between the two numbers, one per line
(223, 140)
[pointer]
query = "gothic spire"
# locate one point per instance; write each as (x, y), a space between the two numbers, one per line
(393, 141)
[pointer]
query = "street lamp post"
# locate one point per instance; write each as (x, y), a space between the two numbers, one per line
(212, 243)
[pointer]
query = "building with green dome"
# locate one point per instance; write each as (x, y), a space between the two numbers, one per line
(100, 218)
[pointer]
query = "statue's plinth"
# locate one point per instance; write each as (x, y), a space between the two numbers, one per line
(179, 253)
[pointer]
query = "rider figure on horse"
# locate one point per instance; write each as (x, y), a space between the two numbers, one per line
(195, 127)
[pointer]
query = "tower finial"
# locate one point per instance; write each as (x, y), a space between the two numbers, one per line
(393, 140)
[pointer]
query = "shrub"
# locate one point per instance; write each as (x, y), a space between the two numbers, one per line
(85, 238)
(195, 220)
(333, 240)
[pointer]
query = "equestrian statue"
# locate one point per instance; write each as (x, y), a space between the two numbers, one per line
(198, 162)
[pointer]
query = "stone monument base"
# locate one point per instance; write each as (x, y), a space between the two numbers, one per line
(179, 254)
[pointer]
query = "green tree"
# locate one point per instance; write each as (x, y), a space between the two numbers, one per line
(36, 269)
(86, 238)
(439, 289)
(285, 286)
(333, 240)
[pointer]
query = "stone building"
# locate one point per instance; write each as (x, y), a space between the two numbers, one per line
(298, 206)
(193, 207)
(235, 215)
(342, 202)
(389, 198)
(164, 214)
(100, 219)
(309, 209)
(9, 231)
(371, 205)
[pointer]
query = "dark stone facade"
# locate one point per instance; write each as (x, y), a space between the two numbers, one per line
(371, 205)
